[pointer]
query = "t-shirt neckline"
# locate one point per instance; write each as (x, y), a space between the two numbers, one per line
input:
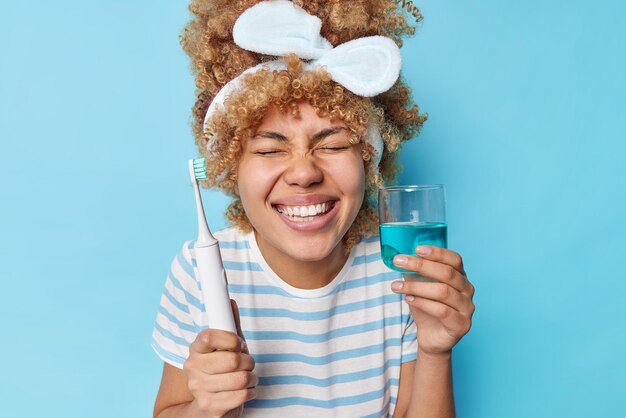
(301, 293)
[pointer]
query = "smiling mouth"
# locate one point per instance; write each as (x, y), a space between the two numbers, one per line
(304, 213)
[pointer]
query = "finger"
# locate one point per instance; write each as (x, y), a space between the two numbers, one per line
(439, 292)
(235, 308)
(234, 399)
(201, 382)
(210, 340)
(433, 269)
(456, 324)
(226, 362)
(441, 255)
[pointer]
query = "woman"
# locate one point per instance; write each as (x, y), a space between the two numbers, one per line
(326, 329)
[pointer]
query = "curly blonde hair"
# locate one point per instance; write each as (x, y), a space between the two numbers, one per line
(216, 60)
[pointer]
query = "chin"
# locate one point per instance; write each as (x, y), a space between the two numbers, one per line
(310, 249)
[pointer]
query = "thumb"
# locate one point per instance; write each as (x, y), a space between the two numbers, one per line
(235, 308)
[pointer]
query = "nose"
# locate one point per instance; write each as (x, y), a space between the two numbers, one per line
(303, 171)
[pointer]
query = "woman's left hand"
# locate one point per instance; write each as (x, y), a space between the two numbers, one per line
(443, 310)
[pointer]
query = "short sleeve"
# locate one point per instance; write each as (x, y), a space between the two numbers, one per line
(175, 327)
(409, 335)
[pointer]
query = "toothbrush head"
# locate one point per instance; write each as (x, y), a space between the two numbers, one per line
(197, 169)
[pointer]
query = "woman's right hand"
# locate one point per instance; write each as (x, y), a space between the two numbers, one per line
(219, 372)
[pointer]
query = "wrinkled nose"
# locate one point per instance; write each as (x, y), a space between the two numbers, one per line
(303, 172)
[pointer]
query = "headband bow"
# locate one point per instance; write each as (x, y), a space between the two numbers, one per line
(366, 66)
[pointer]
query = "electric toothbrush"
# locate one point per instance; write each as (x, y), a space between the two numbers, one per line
(211, 274)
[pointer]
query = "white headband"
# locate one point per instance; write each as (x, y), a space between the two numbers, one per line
(365, 66)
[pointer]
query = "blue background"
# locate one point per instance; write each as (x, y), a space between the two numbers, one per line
(526, 129)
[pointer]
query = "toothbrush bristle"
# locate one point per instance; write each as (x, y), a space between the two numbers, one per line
(199, 169)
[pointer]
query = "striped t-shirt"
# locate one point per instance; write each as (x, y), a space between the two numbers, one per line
(335, 351)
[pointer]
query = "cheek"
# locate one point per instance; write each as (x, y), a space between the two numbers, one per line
(255, 180)
(349, 176)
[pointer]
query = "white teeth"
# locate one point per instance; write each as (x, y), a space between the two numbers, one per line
(304, 213)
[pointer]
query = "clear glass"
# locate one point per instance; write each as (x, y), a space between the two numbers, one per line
(410, 216)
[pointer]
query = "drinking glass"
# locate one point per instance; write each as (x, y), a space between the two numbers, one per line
(410, 216)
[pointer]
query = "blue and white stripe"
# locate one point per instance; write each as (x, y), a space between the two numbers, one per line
(335, 351)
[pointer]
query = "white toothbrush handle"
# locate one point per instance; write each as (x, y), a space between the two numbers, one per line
(215, 288)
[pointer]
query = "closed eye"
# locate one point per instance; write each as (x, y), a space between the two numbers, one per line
(270, 152)
(335, 148)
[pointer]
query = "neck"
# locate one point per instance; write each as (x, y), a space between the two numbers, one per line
(303, 274)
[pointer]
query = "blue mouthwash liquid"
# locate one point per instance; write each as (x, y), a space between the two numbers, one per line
(403, 237)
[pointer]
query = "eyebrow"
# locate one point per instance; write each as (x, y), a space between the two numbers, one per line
(316, 138)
